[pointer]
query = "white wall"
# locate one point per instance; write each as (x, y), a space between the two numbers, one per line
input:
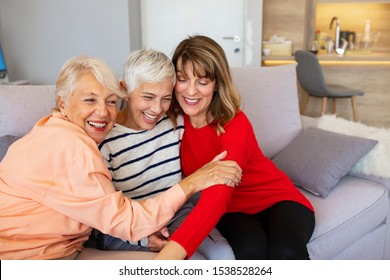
(254, 32)
(38, 36)
(166, 23)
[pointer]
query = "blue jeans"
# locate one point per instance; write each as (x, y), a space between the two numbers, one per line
(214, 247)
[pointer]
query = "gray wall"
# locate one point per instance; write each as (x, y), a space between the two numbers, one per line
(38, 36)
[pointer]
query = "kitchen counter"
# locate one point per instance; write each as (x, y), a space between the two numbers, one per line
(356, 56)
(368, 71)
(349, 58)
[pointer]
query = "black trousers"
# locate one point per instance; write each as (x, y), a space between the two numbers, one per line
(280, 232)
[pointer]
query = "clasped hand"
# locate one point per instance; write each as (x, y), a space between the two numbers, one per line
(217, 172)
(158, 239)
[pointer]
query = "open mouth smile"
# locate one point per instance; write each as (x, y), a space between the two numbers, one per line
(99, 125)
(150, 118)
(191, 101)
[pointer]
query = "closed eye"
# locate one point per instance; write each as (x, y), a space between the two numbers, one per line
(90, 100)
(112, 102)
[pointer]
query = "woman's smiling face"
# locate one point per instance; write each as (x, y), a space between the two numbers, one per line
(91, 107)
(193, 93)
(147, 103)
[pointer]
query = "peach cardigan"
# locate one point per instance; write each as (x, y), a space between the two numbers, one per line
(55, 187)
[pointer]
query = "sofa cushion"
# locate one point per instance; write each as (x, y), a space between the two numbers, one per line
(351, 210)
(270, 100)
(22, 106)
(5, 142)
(317, 159)
(377, 161)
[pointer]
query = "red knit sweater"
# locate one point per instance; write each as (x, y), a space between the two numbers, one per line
(262, 183)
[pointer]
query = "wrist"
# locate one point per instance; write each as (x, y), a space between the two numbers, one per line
(187, 186)
(172, 251)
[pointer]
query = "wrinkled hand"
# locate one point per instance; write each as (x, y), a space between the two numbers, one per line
(216, 172)
(158, 240)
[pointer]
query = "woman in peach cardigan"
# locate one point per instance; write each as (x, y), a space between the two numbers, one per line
(55, 187)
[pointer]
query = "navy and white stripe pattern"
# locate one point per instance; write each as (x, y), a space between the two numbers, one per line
(144, 163)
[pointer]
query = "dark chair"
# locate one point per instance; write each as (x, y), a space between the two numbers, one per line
(312, 80)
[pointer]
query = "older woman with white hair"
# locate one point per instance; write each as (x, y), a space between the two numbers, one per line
(142, 151)
(55, 187)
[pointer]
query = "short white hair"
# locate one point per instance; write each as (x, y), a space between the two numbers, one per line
(149, 66)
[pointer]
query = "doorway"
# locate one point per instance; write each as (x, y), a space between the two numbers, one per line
(235, 25)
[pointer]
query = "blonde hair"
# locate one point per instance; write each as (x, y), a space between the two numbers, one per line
(82, 64)
(201, 51)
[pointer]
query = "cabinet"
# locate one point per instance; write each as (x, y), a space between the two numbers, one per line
(292, 19)
(352, 1)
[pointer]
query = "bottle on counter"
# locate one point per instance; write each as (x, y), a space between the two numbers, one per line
(367, 34)
(315, 47)
(329, 46)
(315, 44)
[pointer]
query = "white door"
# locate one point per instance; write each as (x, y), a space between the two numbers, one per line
(166, 23)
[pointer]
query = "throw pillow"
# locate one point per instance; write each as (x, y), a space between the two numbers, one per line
(377, 161)
(5, 142)
(317, 159)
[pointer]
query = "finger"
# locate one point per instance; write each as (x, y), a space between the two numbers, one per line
(237, 167)
(157, 248)
(156, 244)
(234, 178)
(165, 232)
(159, 244)
(227, 179)
(219, 157)
(231, 173)
(236, 175)
(230, 163)
(229, 183)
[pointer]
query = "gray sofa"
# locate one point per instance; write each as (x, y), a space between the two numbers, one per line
(352, 211)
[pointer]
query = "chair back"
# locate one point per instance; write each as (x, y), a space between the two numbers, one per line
(309, 74)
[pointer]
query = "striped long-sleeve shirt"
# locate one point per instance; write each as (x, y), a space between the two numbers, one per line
(144, 162)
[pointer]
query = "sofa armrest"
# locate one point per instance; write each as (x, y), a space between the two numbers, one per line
(379, 180)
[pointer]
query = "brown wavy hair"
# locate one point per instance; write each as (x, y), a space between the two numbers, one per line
(203, 52)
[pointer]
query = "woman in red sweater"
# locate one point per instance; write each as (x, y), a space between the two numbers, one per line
(265, 216)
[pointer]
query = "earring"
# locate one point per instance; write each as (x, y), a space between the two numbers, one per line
(63, 113)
